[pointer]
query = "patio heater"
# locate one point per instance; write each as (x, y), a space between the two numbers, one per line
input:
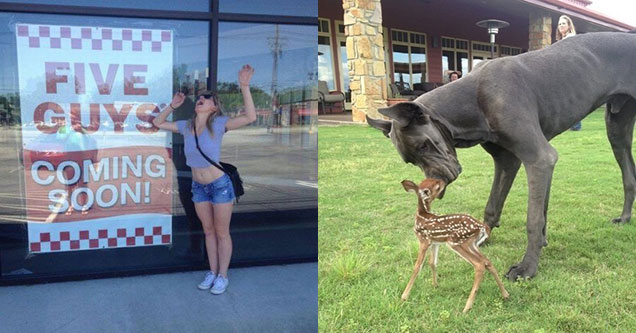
(493, 27)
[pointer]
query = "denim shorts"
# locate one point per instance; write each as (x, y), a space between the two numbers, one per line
(219, 191)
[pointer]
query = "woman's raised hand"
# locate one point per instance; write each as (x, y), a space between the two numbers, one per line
(245, 75)
(177, 100)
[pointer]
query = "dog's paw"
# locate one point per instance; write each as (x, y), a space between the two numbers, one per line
(521, 271)
(620, 220)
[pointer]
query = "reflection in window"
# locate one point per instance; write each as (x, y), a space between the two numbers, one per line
(284, 90)
(344, 70)
(448, 61)
(325, 72)
(418, 63)
(401, 65)
(409, 60)
(278, 7)
(462, 62)
(189, 5)
(108, 133)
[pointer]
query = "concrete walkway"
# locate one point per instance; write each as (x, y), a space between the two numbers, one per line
(337, 119)
(259, 299)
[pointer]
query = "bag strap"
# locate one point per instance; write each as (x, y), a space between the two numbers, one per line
(196, 138)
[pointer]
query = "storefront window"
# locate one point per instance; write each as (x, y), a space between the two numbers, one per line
(279, 7)
(86, 175)
(185, 5)
(284, 90)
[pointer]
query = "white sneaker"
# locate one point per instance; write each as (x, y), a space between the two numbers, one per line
(220, 284)
(208, 281)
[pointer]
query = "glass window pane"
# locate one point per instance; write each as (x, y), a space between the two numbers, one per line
(344, 70)
(285, 93)
(79, 93)
(402, 73)
(278, 7)
(186, 5)
(418, 61)
(462, 62)
(448, 61)
(325, 62)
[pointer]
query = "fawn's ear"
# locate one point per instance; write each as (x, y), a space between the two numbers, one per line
(409, 186)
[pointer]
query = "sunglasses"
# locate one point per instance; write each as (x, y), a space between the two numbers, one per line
(207, 96)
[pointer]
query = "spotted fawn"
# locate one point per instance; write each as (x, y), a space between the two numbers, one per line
(462, 233)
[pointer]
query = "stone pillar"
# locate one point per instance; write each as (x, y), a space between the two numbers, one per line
(365, 57)
(540, 30)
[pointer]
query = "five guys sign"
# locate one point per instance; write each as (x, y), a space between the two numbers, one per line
(97, 173)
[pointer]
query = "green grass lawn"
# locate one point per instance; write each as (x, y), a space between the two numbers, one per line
(367, 248)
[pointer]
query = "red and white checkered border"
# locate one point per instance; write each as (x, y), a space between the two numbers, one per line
(82, 38)
(84, 241)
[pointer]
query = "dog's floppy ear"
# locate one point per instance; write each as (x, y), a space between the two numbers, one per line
(382, 125)
(404, 113)
(409, 185)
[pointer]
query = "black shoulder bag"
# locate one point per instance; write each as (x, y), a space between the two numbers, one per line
(229, 169)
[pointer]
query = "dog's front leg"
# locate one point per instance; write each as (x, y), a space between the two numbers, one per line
(506, 167)
(539, 170)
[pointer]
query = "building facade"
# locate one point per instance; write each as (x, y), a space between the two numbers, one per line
(90, 188)
(373, 50)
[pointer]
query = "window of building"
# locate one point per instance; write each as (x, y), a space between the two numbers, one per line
(409, 59)
(482, 51)
(91, 189)
(509, 50)
(191, 5)
(454, 56)
(278, 7)
(325, 58)
(344, 67)
(81, 113)
(284, 94)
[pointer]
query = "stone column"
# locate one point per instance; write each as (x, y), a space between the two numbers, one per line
(540, 30)
(365, 57)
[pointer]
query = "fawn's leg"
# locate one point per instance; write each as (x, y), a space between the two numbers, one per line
(491, 268)
(416, 269)
(433, 262)
(480, 267)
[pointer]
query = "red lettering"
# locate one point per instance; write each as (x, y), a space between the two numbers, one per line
(80, 79)
(118, 117)
(104, 87)
(76, 119)
(38, 117)
(130, 79)
(146, 113)
(52, 78)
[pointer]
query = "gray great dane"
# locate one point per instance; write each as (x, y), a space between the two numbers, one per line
(513, 107)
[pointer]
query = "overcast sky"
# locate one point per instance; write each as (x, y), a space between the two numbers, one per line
(621, 10)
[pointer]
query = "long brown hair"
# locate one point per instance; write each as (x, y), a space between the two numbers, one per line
(211, 116)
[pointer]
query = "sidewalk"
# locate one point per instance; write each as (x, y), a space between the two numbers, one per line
(337, 119)
(259, 299)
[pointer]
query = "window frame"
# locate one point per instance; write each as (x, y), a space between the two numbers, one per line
(409, 44)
